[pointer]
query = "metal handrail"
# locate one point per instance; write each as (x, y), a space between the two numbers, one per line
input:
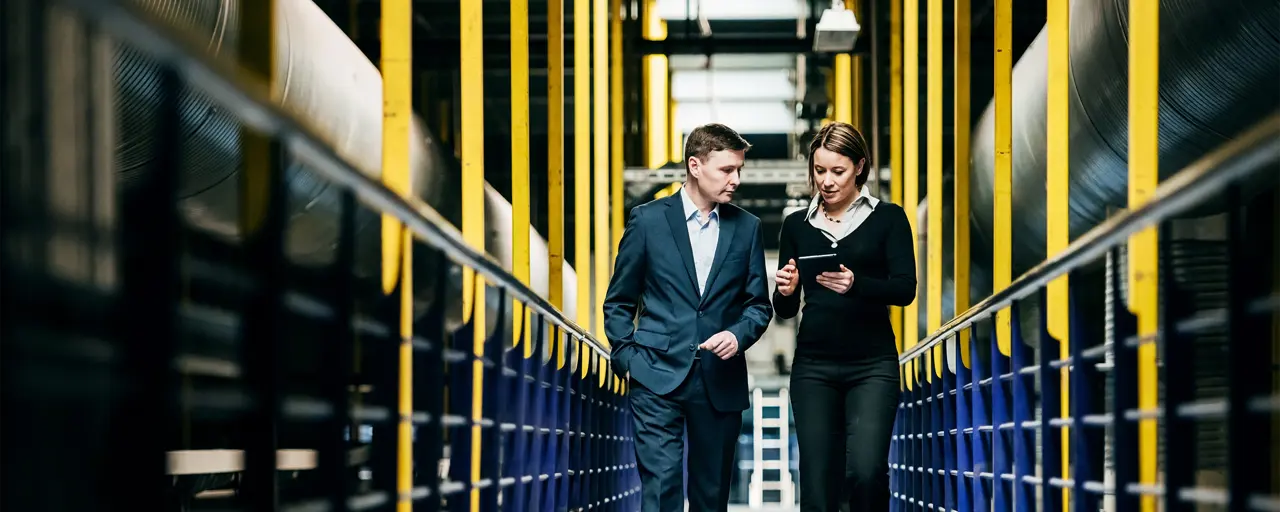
(226, 84)
(1256, 148)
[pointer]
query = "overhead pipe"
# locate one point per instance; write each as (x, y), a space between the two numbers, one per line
(1213, 85)
(324, 78)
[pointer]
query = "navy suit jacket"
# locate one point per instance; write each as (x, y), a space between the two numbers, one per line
(654, 280)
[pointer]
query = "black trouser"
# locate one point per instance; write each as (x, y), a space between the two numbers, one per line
(660, 426)
(844, 414)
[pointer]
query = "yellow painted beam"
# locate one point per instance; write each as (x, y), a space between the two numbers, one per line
(600, 130)
(397, 113)
(616, 101)
(1058, 215)
(911, 153)
(842, 85)
(582, 158)
(1144, 175)
(960, 240)
(555, 167)
(856, 65)
(676, 146)
(520, 201)
(471, 18)
(895, 134)
(257, 53)
(656, 95)
(1003, 185)
(933, 151)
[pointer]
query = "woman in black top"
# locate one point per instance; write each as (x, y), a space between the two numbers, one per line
(844, 377)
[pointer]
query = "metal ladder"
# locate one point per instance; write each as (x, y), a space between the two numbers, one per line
(759, 444)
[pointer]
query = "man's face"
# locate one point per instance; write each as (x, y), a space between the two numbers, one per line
(719, 175)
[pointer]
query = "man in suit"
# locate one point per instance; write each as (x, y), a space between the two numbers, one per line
(690, 266)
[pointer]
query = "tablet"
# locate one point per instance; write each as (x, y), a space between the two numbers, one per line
(817, 264)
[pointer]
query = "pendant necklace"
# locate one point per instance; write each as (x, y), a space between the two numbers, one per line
(835, 221)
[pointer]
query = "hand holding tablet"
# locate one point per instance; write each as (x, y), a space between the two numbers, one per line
(827, 271)
(818, 263)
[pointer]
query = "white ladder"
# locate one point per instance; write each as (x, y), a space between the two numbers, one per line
(759, 444)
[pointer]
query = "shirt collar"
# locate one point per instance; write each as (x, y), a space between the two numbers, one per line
(864, 196)
(691, 209)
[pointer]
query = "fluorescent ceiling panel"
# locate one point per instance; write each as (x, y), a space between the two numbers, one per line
(733, 61)
(731, 9)
(732, 85)
(742, 116)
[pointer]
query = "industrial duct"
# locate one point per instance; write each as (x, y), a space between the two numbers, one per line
(1215, 81)
(324, 79)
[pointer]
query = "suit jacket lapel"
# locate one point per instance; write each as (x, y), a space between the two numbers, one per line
(728, 228)
(680, 234)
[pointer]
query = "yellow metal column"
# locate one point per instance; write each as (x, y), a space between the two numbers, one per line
(1144, 175)
(933, 149)
(600, 214)
(397, 112)
(471, 17)
(842, 99)
(257, 52)
(582, 158)
(656, 96)
(1003, 185)
(911, 156)
(961, 210)
(520, 203)
(1057, 214)
(842, 87)
(615, 126)
(895, 133)
(676, 146)
(555, 166)
(847, 83)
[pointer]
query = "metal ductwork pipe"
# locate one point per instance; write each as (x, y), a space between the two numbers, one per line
(1215, 81)
(323, 78)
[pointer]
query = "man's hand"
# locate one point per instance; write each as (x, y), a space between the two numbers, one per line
(723, 344)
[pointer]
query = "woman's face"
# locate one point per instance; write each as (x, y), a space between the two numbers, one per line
(835, 175)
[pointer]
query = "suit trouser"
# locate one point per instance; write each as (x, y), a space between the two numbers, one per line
(661, 423)
(844, 414)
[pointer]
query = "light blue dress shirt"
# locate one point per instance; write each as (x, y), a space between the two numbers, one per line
(704, 234)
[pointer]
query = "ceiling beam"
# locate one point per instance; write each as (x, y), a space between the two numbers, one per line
(733, 43)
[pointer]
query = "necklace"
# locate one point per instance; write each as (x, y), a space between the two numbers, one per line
(828, 216)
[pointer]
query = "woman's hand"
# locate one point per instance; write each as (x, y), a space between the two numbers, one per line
(838, 282)
(787, 278)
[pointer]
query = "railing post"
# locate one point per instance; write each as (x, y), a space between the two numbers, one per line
(1051, 432)
(338, 362)
(145, 418)
(1247, 420)
(1124, 392)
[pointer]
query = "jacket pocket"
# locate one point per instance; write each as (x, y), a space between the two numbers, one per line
(653, 340)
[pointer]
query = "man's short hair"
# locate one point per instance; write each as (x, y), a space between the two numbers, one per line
(712, 137)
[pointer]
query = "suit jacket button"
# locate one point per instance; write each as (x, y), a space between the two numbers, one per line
(701, 313)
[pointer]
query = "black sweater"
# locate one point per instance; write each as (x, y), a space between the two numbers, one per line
(854, 325)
